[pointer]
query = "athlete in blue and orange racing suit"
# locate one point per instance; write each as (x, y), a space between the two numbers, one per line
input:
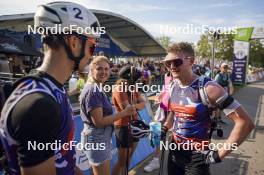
(38, 113)
(191, 101)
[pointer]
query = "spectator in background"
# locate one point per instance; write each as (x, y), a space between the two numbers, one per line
(80, 84)
(98, 118)
(101, 53)
(208, 71)
(114, 70)
(121, 99)
(198, 70)
(223, 78)
(146, 75)
(16, 65)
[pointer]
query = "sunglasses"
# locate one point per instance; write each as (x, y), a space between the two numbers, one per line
(176, 63)
(91, 41)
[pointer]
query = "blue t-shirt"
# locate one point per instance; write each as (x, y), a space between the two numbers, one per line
(91, 98)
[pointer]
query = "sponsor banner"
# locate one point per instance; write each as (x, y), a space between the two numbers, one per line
(258, 33)
(241, 52)
(244, 34)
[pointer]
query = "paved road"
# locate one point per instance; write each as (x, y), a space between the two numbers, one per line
(249, 158)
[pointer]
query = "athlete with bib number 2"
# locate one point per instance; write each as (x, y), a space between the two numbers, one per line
(38, 110)
(191, 101)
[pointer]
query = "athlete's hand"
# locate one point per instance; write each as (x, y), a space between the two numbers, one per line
(205, 157)
(163, 133)
(130, 109)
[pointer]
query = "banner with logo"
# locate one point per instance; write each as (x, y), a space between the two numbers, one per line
(244, 34)
(241, 53)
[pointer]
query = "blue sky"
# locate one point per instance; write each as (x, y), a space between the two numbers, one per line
(152, 14)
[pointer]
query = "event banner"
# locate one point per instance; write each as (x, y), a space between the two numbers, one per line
(244, 34)
(241, 52)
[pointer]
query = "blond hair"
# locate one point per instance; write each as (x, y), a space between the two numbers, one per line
(96, 60)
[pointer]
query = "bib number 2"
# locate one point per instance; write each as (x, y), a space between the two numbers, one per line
(77, 13)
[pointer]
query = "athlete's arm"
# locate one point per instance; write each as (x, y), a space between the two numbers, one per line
(35, 119)
(44, 168)
(243, 124)
(169, 121)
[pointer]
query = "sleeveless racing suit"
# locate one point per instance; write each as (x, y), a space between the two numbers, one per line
(64, 158)
(191, 128)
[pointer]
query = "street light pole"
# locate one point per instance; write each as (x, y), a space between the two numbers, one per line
(213, 59)
(216, 36)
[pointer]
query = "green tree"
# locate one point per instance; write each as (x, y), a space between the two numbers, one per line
(223, 46)
(164, 41)
(203, 46)
(256, 53)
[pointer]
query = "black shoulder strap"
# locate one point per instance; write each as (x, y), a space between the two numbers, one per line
(202, 91)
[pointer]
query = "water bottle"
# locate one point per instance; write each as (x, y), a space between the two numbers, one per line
(155, 128)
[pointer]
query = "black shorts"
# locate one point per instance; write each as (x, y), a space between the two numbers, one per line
(180, 163)
(124, 139)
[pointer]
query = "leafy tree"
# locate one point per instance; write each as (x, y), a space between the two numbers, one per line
(203, 46)
(256, 53)
(164, 41)
(223, 46)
